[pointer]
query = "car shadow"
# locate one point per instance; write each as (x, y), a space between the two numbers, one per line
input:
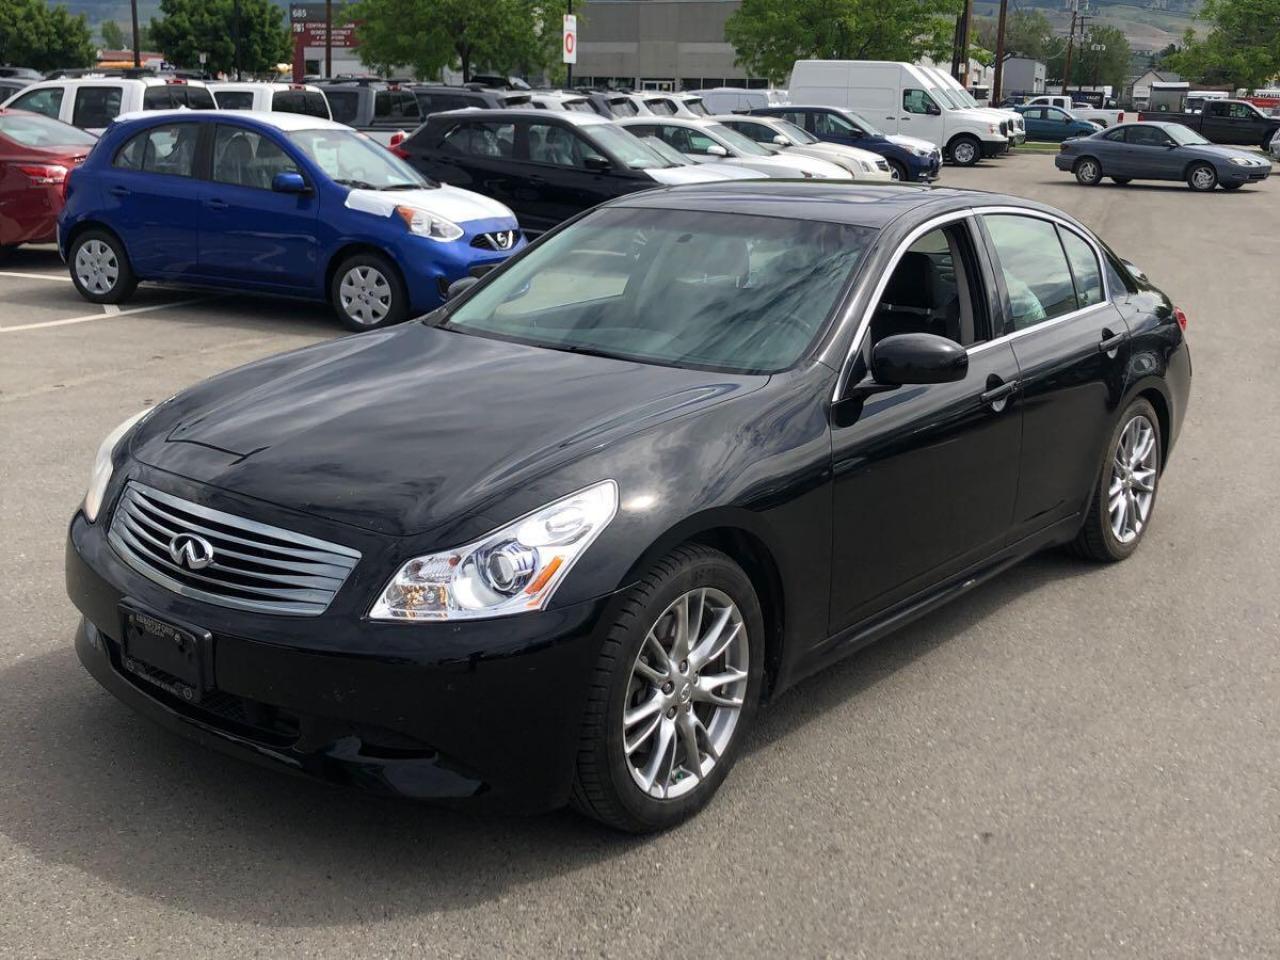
(93, 786)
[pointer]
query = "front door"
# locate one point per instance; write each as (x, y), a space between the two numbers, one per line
(248, 232)
(559, 181)
(921, 116)
(1150, 152)
(1072, 347)
(925, 476)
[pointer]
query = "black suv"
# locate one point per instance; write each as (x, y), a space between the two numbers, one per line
(434, 98)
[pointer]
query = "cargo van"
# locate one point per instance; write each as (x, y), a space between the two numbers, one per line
(960, 97)
(900, 98)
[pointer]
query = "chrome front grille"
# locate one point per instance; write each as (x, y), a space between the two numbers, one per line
(224, 559)
(499, 240)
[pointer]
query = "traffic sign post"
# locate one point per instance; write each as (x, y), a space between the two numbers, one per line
(569, 45)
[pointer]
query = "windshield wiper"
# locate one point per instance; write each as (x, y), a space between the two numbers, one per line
(402, 186)
(357, 184)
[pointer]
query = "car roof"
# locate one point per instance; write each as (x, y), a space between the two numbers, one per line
(234, 85)
(280, 121)
(696, 122)
(107, 78)
(869, 205)
(578, 119)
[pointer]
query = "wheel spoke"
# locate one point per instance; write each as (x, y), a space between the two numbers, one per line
(635, 743)
(689, 739)
(658, 769)
(717, 638)
(646, 709)
(680, 639)
(649, 673)
(1145, 480)
(705, 690)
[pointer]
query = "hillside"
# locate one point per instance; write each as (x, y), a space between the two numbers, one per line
(1148, 25)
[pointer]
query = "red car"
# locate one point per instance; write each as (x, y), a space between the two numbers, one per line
(36, 155)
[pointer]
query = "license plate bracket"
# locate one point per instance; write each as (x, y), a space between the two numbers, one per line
(177, 658)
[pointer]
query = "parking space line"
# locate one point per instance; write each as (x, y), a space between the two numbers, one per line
(19, 275)
(101, 316)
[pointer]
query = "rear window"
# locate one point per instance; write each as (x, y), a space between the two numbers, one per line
(35, 131)
(96, 106)
(233, 99)
(197, 98)
(307, 102)
(170, 96)
(345, 105)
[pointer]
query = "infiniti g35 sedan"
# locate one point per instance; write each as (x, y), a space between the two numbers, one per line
(558, 540)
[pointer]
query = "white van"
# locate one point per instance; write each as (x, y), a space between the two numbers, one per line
(722, 100)
(899, 98)
(962, 98)
(91, 103)
(303, 98)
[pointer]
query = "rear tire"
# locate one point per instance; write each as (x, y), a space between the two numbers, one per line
(652, 702)
(100, 267)
(965, 151)
(1202, 178)
(367, 293)
(1088, 171)
(1129, 479)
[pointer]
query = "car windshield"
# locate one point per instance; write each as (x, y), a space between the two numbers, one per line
(684, 288)
(797, 134)
(1183, 136)
(33, 130)
(628, 148)
(739, 142)
(353, 160)
(867, 126)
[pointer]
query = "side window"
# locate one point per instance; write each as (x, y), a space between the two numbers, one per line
(829, 124)
(238, 100)
(1084, 267)
(405, 105)
(1238, 111)
(917, 101)
(794, 116)
(934, 288)
(697, 142)
(247, 159)
(488, 140)
(168, 149)
(345, 105)
(95, 106)
(645, 130)
(47, 101)
(1115, 135)
(382, 105)
(1035, 113)
(1119, 281)
(1144, 136)
(157, 98)
(552, 143)
(1035, 268)
(756, 131)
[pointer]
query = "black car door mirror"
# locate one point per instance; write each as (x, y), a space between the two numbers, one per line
(596, 163)
(918, 358)
(459, 287)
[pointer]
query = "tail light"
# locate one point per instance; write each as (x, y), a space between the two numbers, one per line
(44, 174)
(396, 144)
(1180, 317)
(1120, 117)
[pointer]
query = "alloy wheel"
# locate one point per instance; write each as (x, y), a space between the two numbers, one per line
(1203, 178)
(97, 268)
(685, 693)
(1088, 171)
(964, 153)
(1133, 479)
(365, 295)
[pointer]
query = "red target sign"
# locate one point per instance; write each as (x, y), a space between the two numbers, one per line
(569, 49)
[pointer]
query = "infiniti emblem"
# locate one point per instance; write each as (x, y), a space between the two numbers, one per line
(191, 551)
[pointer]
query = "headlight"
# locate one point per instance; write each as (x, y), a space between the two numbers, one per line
(1242, 161)
(513, 570)
(103, 465)
(428, 225)
(866, 167)
(922, 151)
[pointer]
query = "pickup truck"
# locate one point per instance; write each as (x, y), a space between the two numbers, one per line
(1224, 121)
(386, 112)
(1082, 111)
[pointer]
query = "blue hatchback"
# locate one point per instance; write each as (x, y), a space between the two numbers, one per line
(274, 202)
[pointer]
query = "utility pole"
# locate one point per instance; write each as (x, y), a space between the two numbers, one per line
(960, 55)
(137, 54)
(1071, 39)
(328, 38)
(998, 79)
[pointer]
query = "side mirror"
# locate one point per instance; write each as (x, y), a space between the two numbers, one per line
(932, 109)
(596, 163)
(781, 141)
(715, 150)
(459, 287)
(289, 182)
(918, 358)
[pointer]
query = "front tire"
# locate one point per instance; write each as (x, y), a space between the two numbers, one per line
(100, 268)
(897, 171)
(1202, 178)
(965, 151)
(1088, 171)
(1124, 494)
(367, 293)
(674, 691)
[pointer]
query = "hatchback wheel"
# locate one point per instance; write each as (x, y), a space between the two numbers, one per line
(1125, 494)
(367, 293)
(1202, 177)
(1089, 171)
(674, 690)
(100, 268)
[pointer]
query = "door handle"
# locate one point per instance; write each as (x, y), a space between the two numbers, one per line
(216, 204)
(1111, 342)
(998, 392)
(118, 191)
(537, 179)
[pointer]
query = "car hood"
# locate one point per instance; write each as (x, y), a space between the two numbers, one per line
(693, 173)
(412, 429)
(454, 204)
(1214, 151)
(911, 143)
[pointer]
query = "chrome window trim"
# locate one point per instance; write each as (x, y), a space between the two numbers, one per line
(934, 222)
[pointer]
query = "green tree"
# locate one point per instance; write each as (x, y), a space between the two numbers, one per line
(1027, 33)
(113, 37)
(33, 34)
(1242, 47)
(505, 36)
(187, 28)
(768, 36)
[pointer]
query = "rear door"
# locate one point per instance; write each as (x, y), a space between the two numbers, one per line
(1072, 347)
(248, 232)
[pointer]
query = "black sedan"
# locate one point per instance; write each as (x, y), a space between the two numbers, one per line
(557, 541)
(1160, 151)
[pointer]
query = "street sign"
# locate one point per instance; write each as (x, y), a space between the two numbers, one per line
(569, 48)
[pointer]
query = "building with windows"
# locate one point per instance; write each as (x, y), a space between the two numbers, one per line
(658, 45)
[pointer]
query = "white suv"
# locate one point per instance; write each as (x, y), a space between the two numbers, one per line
(91, 103)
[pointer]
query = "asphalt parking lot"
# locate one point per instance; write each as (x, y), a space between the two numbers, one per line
(1071, 761)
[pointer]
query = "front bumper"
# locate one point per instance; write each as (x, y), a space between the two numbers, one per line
(429, 266)
(1235, 174)
(926, 169)
(994, 148)
(482, 712)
